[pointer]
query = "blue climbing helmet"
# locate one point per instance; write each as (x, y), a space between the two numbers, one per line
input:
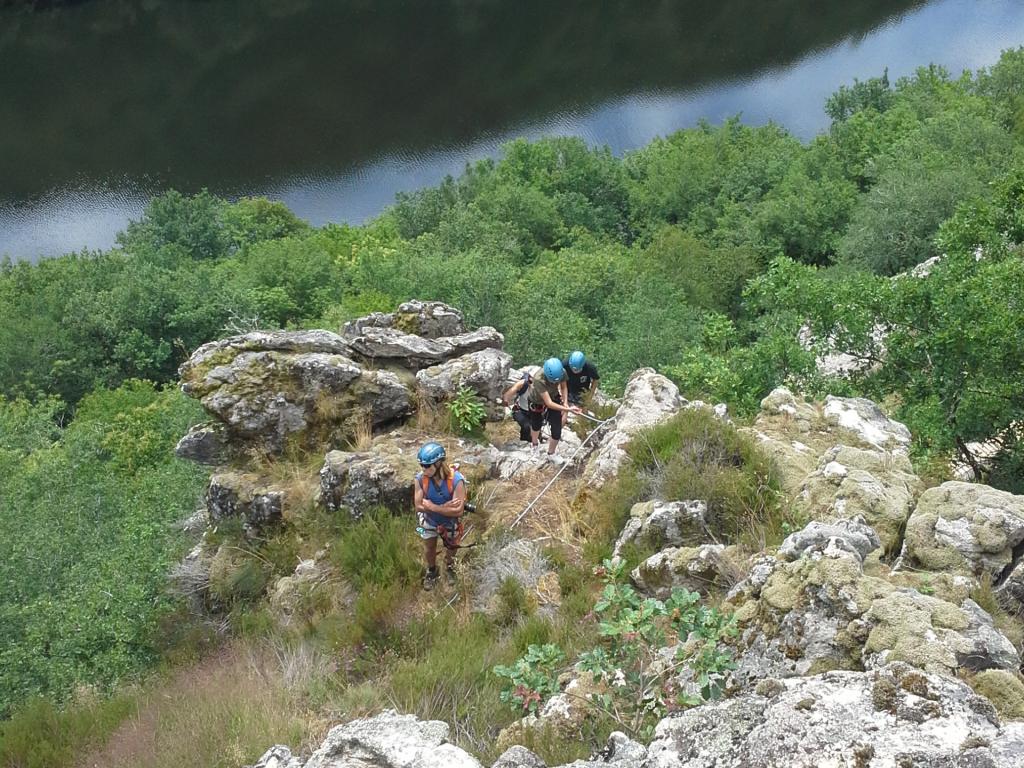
(576, 361)
(553, 370)
(430, 454)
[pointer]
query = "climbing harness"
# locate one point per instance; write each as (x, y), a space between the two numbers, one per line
(565, 466)
(451, 536)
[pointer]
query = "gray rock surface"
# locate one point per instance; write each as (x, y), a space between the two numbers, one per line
(867, 421)
(205, 443)
(697, 569)
(876, 485)
(270, 388)
(483, 372)
(429, 319)
(390, 740)
(894, 717)
(278, 756)
(389, 345)
(620, 751)
(658, 524)
(384, 474)
(964, 526)
(518, 757)
(243, 495)
(850, 535)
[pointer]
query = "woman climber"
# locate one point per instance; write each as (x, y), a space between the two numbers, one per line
(440, 501)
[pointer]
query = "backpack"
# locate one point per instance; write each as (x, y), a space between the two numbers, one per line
(425, 484)
(521, 402)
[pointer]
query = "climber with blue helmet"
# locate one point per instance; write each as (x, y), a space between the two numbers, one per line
(582, 376)
(439, 497)
(547, 398)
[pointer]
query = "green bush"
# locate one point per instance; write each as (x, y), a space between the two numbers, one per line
(90, 536)
(695, 455)
(466, 411)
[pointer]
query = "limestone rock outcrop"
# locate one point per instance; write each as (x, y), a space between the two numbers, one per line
(483, 372)
(895, 716)
(269, 388)
(964, 527)
(659, 524)
(649, 399)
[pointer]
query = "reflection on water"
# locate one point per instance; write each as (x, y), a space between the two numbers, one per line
(334, 107)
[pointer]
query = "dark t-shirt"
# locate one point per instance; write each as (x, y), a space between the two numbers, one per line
(580, 382)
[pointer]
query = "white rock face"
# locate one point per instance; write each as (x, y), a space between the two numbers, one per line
(891, 717)
(649, 399)
(867, 420)
(389, 740)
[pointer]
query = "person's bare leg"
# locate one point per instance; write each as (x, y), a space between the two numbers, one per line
(430, 552)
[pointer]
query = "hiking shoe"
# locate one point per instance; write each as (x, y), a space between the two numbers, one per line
(556, 460)
(430, 579)
(450, 576)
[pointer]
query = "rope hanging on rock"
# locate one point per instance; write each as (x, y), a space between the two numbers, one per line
(564, 466)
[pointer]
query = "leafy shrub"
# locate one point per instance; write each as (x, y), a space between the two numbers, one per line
(466, 411)
(89, 539)
(533, 678)
(638, 686)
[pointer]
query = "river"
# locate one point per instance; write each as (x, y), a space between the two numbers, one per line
(334, 106)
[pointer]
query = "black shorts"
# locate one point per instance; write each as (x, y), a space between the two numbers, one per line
(523, 420)
(554, 419)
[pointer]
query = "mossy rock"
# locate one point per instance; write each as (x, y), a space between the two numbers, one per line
(1004, 689)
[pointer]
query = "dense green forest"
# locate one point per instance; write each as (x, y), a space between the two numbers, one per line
(702, 254)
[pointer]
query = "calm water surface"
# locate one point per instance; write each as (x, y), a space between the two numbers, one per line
(334, 106)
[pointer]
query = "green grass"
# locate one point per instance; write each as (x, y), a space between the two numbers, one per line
(695, 455)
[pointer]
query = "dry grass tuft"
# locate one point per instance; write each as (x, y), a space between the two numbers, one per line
(553, 519)
(361, 437)
(226, 710)
(431, 417)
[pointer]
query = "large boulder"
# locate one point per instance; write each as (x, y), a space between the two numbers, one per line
(483, 372)
(271, 388)
(875, 484)
(964, 527)
(822, 612)
(653, 525)
(383, 475)
(389, 740)
(649, 399)
(896, 716)
(245, 496)
(934, 635)
(697, 569)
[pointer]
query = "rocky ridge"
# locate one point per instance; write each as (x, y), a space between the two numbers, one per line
(855, 633)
